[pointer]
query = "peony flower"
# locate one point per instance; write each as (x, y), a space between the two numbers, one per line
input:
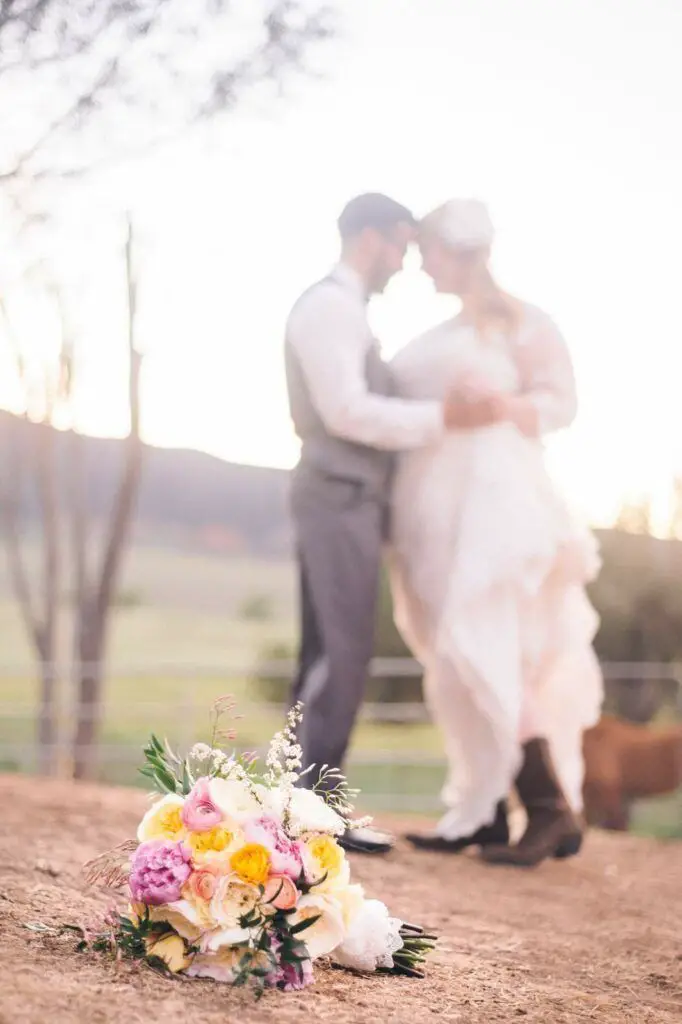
(218, 841)
(158, 872)
(233, 899)
(326, 866)
(238, 799)
(296, 976)
(280, 893)
(308, 812)
(163, 820)
(251, 863)
(170, 949)
(199, 813)
(327, 932)
(285, 855)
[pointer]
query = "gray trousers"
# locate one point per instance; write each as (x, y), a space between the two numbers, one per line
(339, 534)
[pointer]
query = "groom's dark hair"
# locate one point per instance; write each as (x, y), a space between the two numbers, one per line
(375, 211)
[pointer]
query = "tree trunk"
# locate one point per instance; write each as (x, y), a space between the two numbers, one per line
(88, 686)
(47, 718)
(94, 603)
(39, 612)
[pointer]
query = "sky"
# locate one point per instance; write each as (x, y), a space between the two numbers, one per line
(563, 115)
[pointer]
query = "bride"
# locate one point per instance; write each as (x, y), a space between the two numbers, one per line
(488, 567)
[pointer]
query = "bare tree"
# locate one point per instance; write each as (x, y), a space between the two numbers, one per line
(103, 80)
(94, 591)
(39, 604)
(99, 80)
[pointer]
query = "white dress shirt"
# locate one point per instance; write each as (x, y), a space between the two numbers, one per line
(329, 332)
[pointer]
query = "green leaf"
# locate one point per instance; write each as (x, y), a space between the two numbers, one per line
(302, 925)
(186, 780)
(156, 744)
(164, 778)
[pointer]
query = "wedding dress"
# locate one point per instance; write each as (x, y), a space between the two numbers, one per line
(489, 570)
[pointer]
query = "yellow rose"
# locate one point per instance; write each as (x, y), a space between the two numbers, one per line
(183, 917)
(170, 949)
(217, 840)
(163, 821)
(251, 863)
(326, 862)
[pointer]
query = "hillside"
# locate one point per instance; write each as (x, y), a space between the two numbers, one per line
(201, 500)
(593, 939)
(186, 498)
(192, 502)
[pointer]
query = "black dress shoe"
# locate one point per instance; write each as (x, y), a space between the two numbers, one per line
(365, 840)
(495, 834)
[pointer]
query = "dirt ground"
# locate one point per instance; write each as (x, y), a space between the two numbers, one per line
(595, 939)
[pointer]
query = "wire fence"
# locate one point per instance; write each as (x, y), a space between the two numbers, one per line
(397, 760)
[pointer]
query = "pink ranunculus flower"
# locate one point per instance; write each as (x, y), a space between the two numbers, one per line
(200, 813)
(158, 872)
(280, 892)
(286, 855)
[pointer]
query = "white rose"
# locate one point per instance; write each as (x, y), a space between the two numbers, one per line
(238, 800)
(308, 812)
(327, 932)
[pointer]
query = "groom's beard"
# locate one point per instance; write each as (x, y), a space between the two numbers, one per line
(379, 283)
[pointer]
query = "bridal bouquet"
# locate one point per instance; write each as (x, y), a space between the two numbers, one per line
(237, 875)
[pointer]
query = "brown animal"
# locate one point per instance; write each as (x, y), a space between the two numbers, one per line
(625, 762)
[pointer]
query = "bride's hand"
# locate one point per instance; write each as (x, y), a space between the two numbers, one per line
(519, 410)
(468, 413)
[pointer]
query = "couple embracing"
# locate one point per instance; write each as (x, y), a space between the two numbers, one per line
(438, 456)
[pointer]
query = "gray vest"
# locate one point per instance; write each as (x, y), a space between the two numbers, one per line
(323, 453)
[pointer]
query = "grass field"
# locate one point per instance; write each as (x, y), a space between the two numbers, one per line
(181, 641)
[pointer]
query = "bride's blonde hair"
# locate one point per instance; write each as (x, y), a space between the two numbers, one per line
(464, 228)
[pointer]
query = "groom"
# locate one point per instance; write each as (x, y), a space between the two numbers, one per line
(349, 424)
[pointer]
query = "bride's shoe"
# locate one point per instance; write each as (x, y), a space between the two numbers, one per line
(553, 829)
(496, 834)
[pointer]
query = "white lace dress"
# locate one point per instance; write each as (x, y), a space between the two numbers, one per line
(489, 571)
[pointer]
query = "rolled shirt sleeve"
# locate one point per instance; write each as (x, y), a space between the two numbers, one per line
(329, 334)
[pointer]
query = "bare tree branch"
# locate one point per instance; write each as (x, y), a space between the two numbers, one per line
(107, 51)
(65, 120)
